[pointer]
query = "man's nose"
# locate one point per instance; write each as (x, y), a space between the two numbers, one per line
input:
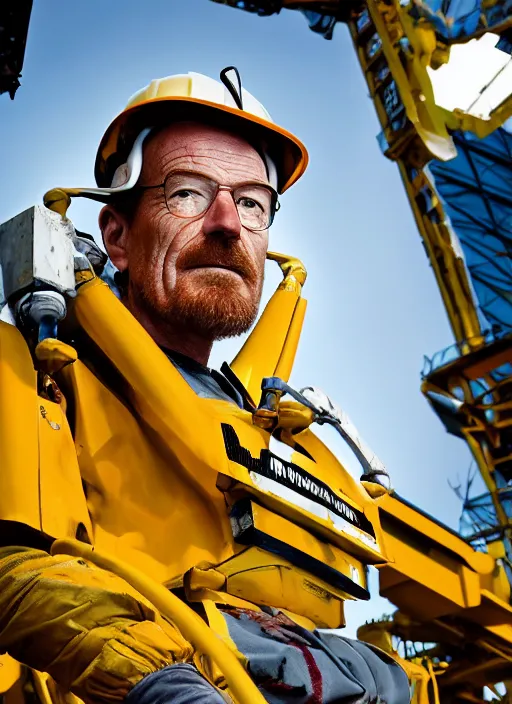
(222, 218)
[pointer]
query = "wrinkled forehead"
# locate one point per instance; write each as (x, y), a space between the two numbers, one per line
(205, 148)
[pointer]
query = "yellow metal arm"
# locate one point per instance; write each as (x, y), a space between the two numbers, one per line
(271, 348)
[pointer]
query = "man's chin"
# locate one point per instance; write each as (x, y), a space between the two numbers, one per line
(215, 311)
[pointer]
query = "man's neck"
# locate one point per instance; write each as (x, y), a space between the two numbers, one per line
(172, 338)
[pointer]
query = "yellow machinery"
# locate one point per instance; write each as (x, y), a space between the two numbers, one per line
(454, 622)
(98, 411)
(296, 535)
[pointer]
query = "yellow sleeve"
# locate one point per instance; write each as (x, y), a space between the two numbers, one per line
(86, 627)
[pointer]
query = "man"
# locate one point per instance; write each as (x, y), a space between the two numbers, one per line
(191, 180)
(193, 279)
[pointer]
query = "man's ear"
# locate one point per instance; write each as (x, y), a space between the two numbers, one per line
(114, 228)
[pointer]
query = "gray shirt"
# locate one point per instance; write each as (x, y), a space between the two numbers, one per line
(207, 383)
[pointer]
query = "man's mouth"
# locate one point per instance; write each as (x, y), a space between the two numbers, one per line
(226, 267)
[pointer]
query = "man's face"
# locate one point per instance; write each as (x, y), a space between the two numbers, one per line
(203, 274)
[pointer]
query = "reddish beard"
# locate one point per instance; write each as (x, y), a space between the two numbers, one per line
(210, 303)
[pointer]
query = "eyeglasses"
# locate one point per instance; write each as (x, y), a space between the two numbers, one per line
(189, 194)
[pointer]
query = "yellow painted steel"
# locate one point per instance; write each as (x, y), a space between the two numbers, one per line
(19, 422)
(10, 672)
(37, 452)
(146, 476)
(413, 82)
(277, 331)
(410, 47)
(147, 423)
(434, 572)
(64, 511)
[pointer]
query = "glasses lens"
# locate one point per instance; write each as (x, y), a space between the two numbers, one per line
(256, 206)
(189, 195)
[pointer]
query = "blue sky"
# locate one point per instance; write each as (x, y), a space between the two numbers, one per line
(374, 309)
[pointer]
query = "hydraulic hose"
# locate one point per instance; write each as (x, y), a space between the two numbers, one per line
(192, 627)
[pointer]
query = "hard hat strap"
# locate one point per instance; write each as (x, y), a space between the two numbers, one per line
(126, 175)
(232, 89)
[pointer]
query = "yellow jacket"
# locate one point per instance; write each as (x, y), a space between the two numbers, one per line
(99, 636)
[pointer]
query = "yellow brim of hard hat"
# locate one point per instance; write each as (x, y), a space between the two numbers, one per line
(288, 153)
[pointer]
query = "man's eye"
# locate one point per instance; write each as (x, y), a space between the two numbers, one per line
(183, 194)
(249, 203)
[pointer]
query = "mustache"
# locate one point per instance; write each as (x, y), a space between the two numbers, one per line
(218, 255)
